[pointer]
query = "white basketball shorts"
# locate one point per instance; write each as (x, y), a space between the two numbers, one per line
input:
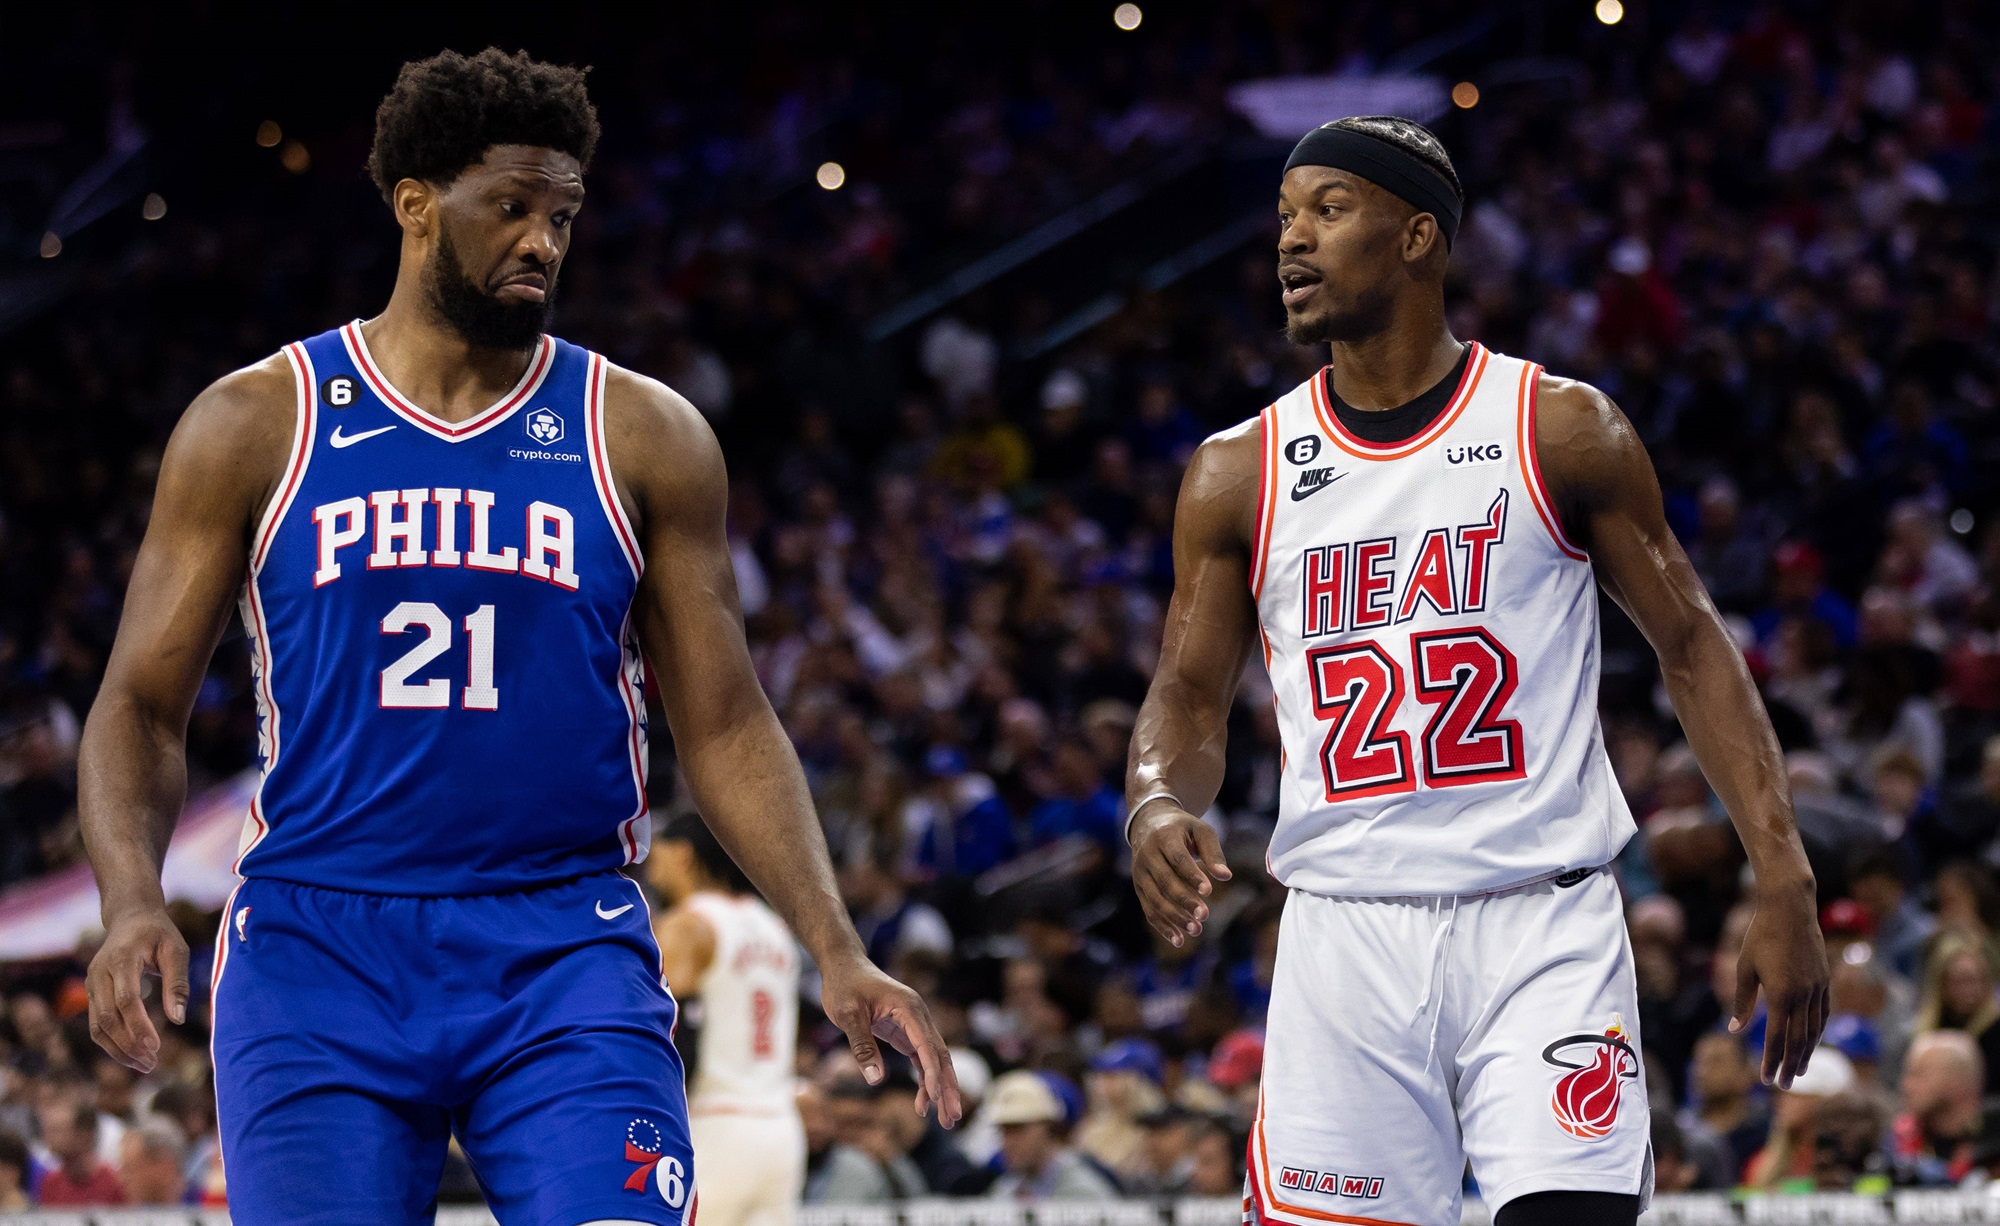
(750, 1167)
(1410, 1035)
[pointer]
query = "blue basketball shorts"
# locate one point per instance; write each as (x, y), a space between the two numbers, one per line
(356, 1034)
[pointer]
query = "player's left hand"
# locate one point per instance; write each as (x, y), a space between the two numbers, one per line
(869, 1005)
(1785, 955)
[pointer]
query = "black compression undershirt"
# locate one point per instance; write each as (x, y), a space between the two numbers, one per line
(1405, 420)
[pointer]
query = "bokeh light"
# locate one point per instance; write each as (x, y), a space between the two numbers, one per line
(1610, 12)
(51, 245)
(1465, 95)
(295, 158)
(830, 175)
(1127, 16)
(269, 134)
(154, 208)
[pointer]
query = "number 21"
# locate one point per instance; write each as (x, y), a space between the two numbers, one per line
(398, 691)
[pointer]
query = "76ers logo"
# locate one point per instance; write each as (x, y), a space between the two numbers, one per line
(1586, 1098)
(645, 1146)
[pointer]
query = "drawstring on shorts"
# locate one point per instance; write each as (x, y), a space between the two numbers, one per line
(1434, 981)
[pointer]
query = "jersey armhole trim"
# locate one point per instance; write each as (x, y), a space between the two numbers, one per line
(600, 466)
(1531, 464)
(1267, 477)
(304, 427)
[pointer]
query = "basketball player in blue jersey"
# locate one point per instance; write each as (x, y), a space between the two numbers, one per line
(451, 538)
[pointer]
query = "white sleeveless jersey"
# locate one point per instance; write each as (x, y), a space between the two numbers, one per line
(1431, 637)
(749, 1009)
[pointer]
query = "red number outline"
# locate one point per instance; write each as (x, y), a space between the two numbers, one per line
(1368, 742)
(1468, 727)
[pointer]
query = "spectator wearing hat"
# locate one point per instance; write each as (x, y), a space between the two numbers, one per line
(1799, 590)
(1037, 1161)
(1236, 1067)
(1123, 1086)
(1855, 1037)
(1788, 1158)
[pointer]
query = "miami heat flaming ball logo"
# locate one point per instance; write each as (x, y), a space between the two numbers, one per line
(1587, 1096)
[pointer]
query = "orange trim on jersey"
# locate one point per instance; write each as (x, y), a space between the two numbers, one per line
(1361, 448)
(1263, 1190)
(1267, 507)
(1531, 464)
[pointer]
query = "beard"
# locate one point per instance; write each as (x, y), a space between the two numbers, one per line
(474, 313)
(1365, 316)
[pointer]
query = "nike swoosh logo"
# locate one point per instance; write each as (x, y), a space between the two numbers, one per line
(340, 440)
(1313, 481)
(612, 914)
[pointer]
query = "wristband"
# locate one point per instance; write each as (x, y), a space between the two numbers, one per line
(1141, 807)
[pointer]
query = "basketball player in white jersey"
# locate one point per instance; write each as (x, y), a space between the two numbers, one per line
(1412, 539)
(721, 945)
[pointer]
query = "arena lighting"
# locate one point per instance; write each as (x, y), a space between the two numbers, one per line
(295, 158)
(269, 134)
(1961, 521)
(1127, 16)
(1610, 12)
(154, 208)
(830, 175)
(1465, 95)
(51, 245)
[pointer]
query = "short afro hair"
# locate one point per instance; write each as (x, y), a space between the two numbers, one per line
(447, 111)
(1412, 138)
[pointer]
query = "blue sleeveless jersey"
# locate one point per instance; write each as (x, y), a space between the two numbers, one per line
(448, 690)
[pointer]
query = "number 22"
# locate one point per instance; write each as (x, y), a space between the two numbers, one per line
(1466, 674)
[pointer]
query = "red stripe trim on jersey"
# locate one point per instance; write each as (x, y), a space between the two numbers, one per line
(450, 432)
(1267, 479)
(1361, 448)
(304, 426)
(600, 466)
(1531, 464)
(1265, 1192)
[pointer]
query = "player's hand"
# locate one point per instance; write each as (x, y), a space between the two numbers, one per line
(1176, 859)
(1785, 955)
(869, 1005)
(139, 944)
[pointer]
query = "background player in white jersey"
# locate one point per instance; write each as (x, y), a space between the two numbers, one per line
(1412, 536)
(720, 945)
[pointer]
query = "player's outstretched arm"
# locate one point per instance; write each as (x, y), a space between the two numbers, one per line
(1603, 481)
(1176, 763)
(218, 472)
(739, 763)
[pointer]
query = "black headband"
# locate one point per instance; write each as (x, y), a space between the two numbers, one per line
(1387, 166)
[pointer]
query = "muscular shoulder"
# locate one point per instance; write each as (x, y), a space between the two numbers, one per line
(663, 454)
(233, 441)
(1585, 444)
(1218, 502)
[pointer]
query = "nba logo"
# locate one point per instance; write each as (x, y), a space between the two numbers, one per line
(545, 427)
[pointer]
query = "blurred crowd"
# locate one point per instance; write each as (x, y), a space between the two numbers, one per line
(1768, 232)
